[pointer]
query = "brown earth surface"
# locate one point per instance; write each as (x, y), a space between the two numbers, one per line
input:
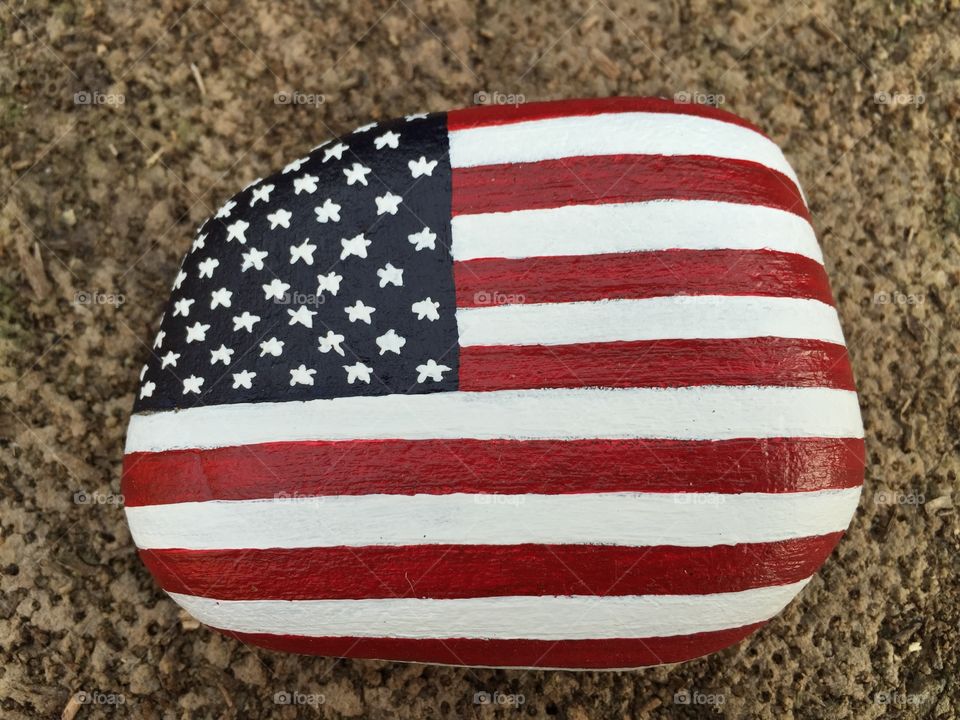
(101, 193)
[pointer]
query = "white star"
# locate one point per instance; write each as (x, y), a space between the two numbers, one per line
(160, 336)
(329, 282)
(328, 211)
(252, 183)
(182, 307)
(391, 342)
(272, 347)
(237, 231)
(431, 370)
(192, 384)
(198, 242)
(388, 274)
(364, 128)
(303, 251)
(261, 193)
(307, 183)
(295, 165)
(225, 209)
(143, 371)
(415, 116)
(336, 151)
(357, 173)
(221, 354)
(331, 342)
(426, 308)
(302, 376)
(178, 281)
(280, 217)
(169, 359)
(243, 379)
(276, 289)
(245, 321)
(359, 311)
(388, 139)
(147, 390)
(358, 372)
(197, 332)
(426, 238)
(388, 203)
(206, 267)
(421, 167)
(357, 245)
(220, 297)
(302, 315)
(253, 259)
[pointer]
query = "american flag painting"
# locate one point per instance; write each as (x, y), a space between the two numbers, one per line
(557, 385)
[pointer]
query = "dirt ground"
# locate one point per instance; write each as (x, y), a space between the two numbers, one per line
(123, 128)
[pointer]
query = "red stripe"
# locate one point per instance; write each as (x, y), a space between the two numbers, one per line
(503, 114)
(621, 179)
(597, 654)
(784, 362)
(464, 571)
(361, 467)
(655, 273)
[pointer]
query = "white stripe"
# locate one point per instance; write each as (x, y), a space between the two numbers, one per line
(687, 413)
(627, 519)
(574, 617)
(613, 134)
(632, 227)
(658, 318)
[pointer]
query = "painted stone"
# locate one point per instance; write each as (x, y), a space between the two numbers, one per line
(557, 385)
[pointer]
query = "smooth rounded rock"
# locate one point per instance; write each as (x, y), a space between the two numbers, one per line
(550, 385)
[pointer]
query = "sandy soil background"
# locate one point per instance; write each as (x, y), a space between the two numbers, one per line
(122, 129)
